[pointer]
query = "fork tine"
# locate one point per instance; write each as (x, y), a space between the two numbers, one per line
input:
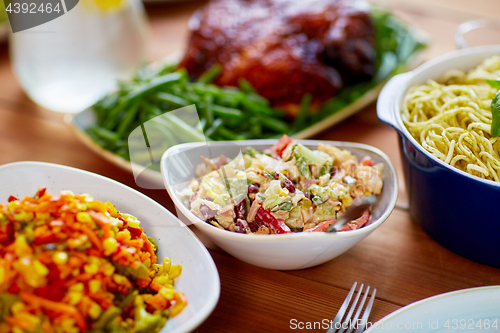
(356, 316)
(368, 309)
(343, 308)
(351, 310)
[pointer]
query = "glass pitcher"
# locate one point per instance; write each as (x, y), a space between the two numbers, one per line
(67, 64)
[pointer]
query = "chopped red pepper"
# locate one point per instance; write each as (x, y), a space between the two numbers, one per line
(281, 145)
(277, 225)
(321, 226)
(368, 161)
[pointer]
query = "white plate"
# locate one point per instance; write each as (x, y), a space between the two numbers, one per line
(458, 311)
(199, 279)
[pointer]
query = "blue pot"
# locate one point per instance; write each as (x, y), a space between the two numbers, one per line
(456, 209)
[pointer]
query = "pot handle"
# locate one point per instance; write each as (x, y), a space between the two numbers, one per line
(388, 103)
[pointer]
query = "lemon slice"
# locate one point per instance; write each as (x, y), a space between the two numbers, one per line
(105, 5)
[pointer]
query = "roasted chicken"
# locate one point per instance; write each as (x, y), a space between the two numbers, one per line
(284, 48)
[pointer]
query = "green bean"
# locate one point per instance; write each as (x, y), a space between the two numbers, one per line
(211, 74)
(209, 112)
(213, 129)
(107, 316)
(203, 89)
(104, 134)
(109, 121)
(166, 134)
(182, 130)
(304, 109)
(127, 120)
(169, 98)
(246, 86)
(152, 85)
(228, 134)
(255, 107)
(223, 111)
(257, 98)
(276, 125)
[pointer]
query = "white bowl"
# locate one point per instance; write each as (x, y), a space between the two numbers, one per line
(285, 251)
(199, 279)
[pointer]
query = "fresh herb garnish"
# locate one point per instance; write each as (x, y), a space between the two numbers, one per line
(495, 109)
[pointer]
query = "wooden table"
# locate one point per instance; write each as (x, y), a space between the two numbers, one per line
(399, 259)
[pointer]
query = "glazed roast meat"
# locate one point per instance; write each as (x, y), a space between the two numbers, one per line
(284, 48)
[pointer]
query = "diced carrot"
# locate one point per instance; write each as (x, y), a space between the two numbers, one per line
(94, 239)
(55, 306)
(155, 286)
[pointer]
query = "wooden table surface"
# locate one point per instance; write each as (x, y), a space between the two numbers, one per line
(399, 259)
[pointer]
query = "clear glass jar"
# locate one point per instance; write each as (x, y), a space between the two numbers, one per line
(67, 64)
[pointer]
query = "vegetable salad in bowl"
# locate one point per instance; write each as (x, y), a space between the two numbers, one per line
(287, 188)
(69, 263)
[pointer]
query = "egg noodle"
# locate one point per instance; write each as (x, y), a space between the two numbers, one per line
(451, 119)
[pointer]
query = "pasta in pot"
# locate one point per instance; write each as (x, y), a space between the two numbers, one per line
(451, 118)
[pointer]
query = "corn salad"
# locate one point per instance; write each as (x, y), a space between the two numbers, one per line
(69, 263)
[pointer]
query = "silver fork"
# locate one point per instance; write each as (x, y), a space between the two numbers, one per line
(350, 322)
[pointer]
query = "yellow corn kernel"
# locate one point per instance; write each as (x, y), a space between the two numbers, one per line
(133, 223)
(91, 268)
(68, 325)
(2, 275)
(284, 192)
(119, 279)
(95, 311)
(162, 279)
(16, 307)
(167, 293)
(95, 286)
(98, 206)
(108, 270)
(124, 234)
(60, 258)
(67, 193)
(13, 205)
(158, 268)
(166, 264)
(83, 217)
(74, 297)
(147, 263)
(81, 207)
(42, 216)
(21, 246)
(175, 271)
(347, 201)
(111, 209)
(77, 287)
(16, 329)
(24, 216)
(110, 246)
(40, 268)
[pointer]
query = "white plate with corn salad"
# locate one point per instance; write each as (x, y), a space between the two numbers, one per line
(75, 256)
